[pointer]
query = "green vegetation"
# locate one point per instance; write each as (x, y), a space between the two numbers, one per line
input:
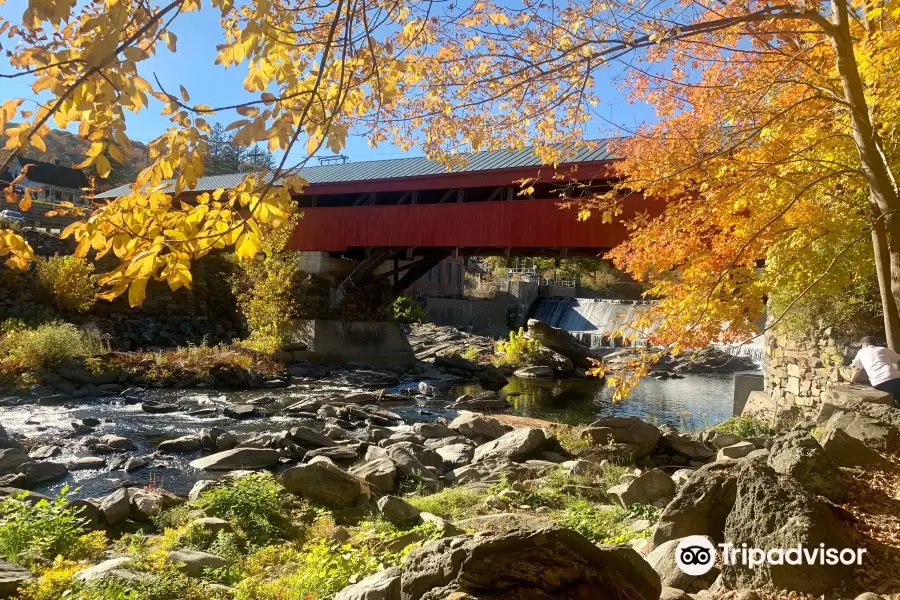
(745, 427)
(253, 504)
(452, 502)
(42, 348)
(407, 310)
(200, 360)
(68, 281)
(518, 351)
(603, 525)
(34, 533)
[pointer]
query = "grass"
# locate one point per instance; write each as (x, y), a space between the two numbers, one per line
(43, 347)
(746, 427)
(570, 438)
(452, 503)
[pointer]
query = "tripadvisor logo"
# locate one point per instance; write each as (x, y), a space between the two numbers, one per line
(696, 555)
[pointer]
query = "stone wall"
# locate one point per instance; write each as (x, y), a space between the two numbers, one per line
(799, 368)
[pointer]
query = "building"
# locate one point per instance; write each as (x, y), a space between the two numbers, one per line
(50, 182)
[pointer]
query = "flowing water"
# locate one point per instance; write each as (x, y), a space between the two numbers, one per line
(692, 402)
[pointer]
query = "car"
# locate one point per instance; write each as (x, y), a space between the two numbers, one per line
(11, 218)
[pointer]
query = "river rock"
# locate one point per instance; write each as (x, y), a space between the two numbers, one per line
(775, 512)
(799, 455)
(562, 342)
(380, 473)
(650, 487)
(662, 559)
(187, 443)
(846, 451)
(548, 563)
(73, 369)
(310, 438)
(517, 445)
(456, 455)
(335, 453)
(738, 450)
(397, 511)
(432, 430)
(701, 505)
(38, 472)
(12, 576)
(83, 463)
(238, 458)
(42, 452)
(324, 482)
(535, 372)
(240, 411)
(116, 507)
(113, 567)
(676, 443)
(11, 459)
(82, 427)
(483, 401)
(210, 525)
(192, 562)
(492, 377)
(158, 407)
(720, 439)
(477, 426)
(384, 585)
(134, 463)
(144, 504)
(409, 465)
(636, 436)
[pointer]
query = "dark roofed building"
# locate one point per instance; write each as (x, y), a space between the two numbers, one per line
(52, 182)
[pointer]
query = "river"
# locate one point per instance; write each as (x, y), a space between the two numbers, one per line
(690, 403)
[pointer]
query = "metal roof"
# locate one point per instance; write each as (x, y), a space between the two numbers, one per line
(404, 167)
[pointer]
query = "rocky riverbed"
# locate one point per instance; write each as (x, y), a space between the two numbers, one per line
(816, 484)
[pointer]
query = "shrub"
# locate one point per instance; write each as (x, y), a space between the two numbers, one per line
(519, 350)
(745, 427)
(68, 281)
(53, 582)
(318, 571)
(407, 310)
(44, 347)
(253, 504)
(30, 533)
(470, 353)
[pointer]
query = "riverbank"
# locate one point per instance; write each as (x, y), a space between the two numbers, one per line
(362, 496)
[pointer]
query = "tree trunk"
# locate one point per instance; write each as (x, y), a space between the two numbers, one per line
(883, 272)
(882, 187)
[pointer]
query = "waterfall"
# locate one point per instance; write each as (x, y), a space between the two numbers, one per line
(591, 321)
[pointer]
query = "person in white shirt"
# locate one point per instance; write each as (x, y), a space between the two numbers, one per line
(880, 364)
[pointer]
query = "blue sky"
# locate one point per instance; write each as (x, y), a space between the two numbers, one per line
(193, 66)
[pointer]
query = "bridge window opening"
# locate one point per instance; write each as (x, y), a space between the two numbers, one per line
(456, 275)
(448, 280)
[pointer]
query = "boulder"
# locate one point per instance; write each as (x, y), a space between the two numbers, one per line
(113, 567)
(336, 453)
(456, 455)
(74, 369)
(384, 585)
(675, 443)
(483, 401)
(240, 411)
(775, 512)
(504, 522)
(211, 525)
(117, 442)
(870, 431)
(477, 426)
(38, 472)
(12, 576)
(309, 438)
(116, 507)
(535, 372)
(846, 451)
(517, 445)
(42, 452)
(562, 342)
(649, 487)
(526, 564)
(738, 450)
(11, 459)
(410, 466)
(192, 562)
(701, 505)
(800, 456)
(84, 463)
(662, 559)
(144, 504)
(134, 463)
(380, 473)
(432, 430)
(324, 482)
(187, 443)
(158, 407)
(238, 458)
(397, 511)
(634, 435)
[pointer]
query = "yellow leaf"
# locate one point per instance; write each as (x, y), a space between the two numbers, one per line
(38, 142)
(184, 95)
(25, 203)
(247, 246)
(137, 292)
(103, 166)
(171, 41)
